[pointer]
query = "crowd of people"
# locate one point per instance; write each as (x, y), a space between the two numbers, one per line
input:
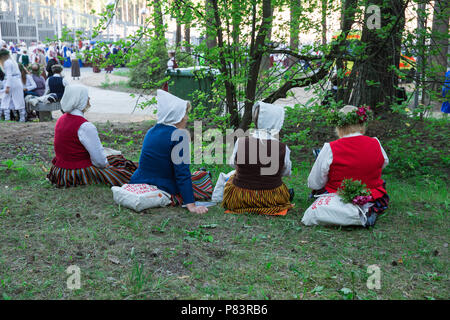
(36, 71)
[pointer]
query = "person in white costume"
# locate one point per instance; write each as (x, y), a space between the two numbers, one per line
(13, 98)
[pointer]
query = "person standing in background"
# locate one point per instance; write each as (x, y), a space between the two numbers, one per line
(13, 98)
(75, 69)
(445, 89)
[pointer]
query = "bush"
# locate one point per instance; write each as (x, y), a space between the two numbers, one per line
(415, 147)
(148, 64)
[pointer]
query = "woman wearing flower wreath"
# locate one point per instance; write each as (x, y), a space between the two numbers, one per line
(353, 156)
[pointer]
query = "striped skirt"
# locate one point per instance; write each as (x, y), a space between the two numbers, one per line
(117, 174)
(201, 185)
(269, 202)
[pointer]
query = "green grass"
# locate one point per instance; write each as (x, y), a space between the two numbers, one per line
(169, 253)
(122, 73)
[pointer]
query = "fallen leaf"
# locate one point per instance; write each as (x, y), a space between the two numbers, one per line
(114, 259)
(209, 226)
(183, 277)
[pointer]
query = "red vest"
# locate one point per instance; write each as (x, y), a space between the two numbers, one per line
(359, 158)
(70, 153)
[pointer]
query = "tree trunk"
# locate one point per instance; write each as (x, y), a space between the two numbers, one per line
(374, 79)
(295, 12)
(230, 89)
(187, 36)
(178, 34)
(158, 17)
(236, 21)
(324, 22)
(294, 41)
(211, 33)
(347, 21)
(265, 61)
(256, 55)
(439, 45)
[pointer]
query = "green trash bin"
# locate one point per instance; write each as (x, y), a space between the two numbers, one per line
(184, 82)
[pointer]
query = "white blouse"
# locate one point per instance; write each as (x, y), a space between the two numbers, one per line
(30, 84)
(88, 135)
(287, 168)
(318, 177)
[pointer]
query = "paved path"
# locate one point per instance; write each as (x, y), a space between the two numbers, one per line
(108, 105)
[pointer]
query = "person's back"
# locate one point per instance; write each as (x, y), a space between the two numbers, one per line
(69, 152)
(25, 60)
(56, 86)
(359, 158)
(40, 84)
(157, 148)
(261, 161)
(50, 63)
(250, 170)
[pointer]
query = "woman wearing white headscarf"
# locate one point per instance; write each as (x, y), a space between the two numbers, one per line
(158, 167)
(260, 161)
(79, 155)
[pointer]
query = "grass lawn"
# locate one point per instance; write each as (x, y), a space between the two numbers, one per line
(169, 253)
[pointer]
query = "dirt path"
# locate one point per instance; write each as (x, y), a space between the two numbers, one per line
(33, 141)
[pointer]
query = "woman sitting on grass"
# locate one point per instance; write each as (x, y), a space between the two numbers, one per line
(158, 167)
(79, 155)
(260, 161)
(353, 156)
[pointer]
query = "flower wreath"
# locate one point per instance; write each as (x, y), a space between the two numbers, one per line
(359, 116)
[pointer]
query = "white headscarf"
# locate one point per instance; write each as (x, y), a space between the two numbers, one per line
(347, 109)
(75, 97)
(171, 109)
(270, 119)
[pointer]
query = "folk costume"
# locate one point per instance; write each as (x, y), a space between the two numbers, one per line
(75, 69)
(445, 89)
(14, 100)
(79, 155)
(56, 83)
(354, 156)
(260, 161)
(156, 166)
(171, 65)
(40, 84)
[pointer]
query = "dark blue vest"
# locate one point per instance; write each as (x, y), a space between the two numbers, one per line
(56, 86)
